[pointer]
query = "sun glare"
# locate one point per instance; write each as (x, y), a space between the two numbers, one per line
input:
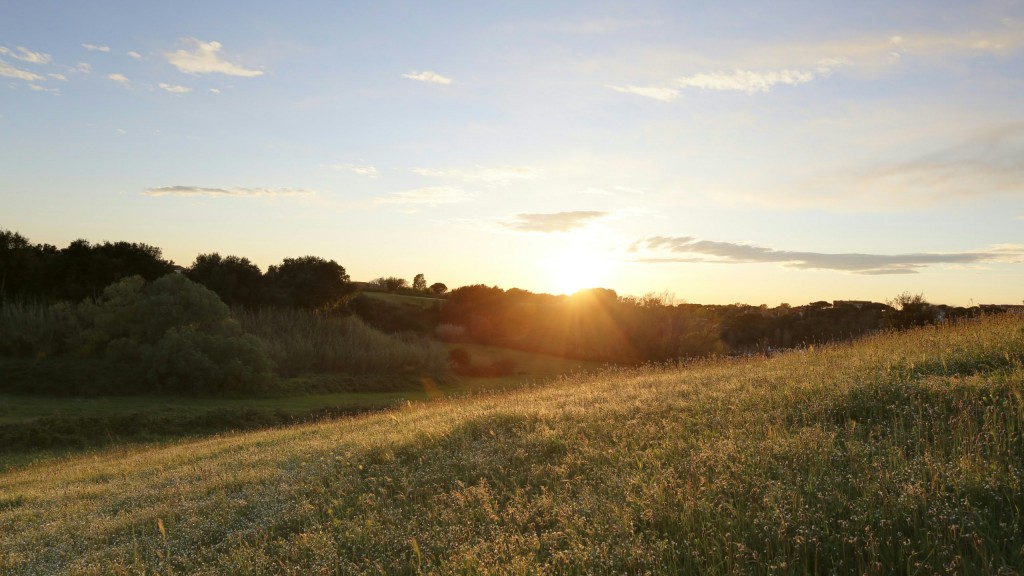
(578, 266)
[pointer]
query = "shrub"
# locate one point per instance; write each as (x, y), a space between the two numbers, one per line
(39, 331)
(171, 335)
(459, 357)
(186, 360)
(450, 332)
(306, 341)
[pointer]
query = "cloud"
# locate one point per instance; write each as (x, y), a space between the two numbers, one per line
(804, 63)
(432, 195)
(688, 249)
(135, 55)
(749, 81)
(989, 163)
(26, 55)
(95, 48)
(665, 94)
(204, 59)
(12, 72)
(554, 222)
(493, 176)
(60, 77)
(119, 78)
(427, 76)
(368, 171)
(226, 192)
(39, 88)
(986, 163)
(174, 89)
(82, 68)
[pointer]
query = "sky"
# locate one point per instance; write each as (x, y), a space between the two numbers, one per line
(713, 152)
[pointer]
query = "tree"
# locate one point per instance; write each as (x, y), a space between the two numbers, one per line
(910, 310)
(22, 266)
(236, 280)
(391, 283)
(438, 288)
(419, 283)
(309, 282)
(173, 335)
(82, 270)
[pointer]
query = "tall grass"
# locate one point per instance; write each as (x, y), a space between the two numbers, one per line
(303, 341)
(900, 454)
(38, 330)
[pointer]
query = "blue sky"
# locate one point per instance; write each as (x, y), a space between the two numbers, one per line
(720, 151)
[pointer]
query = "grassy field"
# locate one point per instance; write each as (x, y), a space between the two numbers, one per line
(528, 367)
(420, 301)
(34, 427)
(899, 454)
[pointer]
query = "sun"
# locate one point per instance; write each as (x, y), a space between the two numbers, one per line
(577, 266)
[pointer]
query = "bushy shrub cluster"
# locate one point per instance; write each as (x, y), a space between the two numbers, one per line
(306, 341)
(170, 335)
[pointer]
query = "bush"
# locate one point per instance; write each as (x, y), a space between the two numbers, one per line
(39, 331)
(305, 342)
(188, 361)
(171, 335)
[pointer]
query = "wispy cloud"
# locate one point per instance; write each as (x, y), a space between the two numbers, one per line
(135, 55)
(95, 48)
(431, 195)
(204, 58)
(174, 89)
(493, 176)
(362, 170)
(119, 78)
(749, 81)
(226, 192)
(38, 88)
(804, 63)
(990, 163)
(553, 222)
(688, 249)
(12, 72)
(999, 41)
(428, 76)
(665, 94)
(60, 77)
(26, 55)
(982, 164)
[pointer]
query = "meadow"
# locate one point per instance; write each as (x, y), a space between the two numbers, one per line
(901, 453)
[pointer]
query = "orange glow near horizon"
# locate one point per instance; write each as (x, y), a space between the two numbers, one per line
(578, 265)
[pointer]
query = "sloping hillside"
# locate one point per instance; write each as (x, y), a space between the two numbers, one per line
(903, 453)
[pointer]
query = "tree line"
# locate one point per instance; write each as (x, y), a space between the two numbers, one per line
(42, 272)
(596, 324)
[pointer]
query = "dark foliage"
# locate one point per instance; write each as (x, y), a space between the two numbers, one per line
(81, 270)
(236, 280)
(308, 282)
